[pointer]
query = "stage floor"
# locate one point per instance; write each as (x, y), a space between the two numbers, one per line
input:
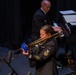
(21, 66)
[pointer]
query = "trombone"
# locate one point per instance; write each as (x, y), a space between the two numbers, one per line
(31, 45)
(42, 40)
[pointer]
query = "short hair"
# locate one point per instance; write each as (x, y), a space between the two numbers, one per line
(44, 2)
(48, 29)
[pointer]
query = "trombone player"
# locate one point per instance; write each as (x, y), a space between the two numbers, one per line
(44, 52)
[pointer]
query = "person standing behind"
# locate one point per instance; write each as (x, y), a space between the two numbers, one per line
(41, 18)
(44, 52)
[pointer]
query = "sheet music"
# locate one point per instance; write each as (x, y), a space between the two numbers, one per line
(67, 12)
(70, 18)
(73, 23)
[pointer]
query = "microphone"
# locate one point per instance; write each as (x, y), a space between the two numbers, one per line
(9, 56)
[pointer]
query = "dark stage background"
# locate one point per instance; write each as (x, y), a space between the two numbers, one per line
(16, 18)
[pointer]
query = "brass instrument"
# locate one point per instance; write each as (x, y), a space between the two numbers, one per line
(31, 45)
(41, 40)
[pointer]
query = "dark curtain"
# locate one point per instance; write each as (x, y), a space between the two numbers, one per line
(16, 18)
(10, 23)
(66, 4)
(27, 11)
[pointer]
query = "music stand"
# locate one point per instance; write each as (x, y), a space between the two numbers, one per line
(13, 71)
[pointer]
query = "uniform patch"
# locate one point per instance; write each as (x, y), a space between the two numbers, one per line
(46, 53)
(37, 57)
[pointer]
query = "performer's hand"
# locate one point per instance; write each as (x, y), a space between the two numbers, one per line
(25, 53)
(57, 29)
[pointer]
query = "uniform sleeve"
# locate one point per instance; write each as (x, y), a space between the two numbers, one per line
(47, 52)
